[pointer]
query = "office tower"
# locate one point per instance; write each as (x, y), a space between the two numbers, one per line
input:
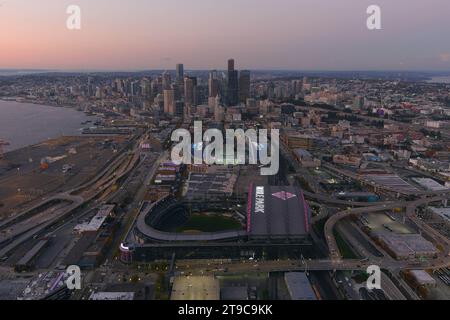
(98, 93)
(297, 86)
(180, 73)
(169, 102)
(230, 64)
(154, 87)
(244, 86)
(218, 110)
(213, 84)
(90, 87)
(214, 74)
(119, 86)
(190, 90)
(179, 90)
(123, 87)
(146, 89)
(179, 108)
(213, 87)
(166, 80)
(232, 85)
(135, 88)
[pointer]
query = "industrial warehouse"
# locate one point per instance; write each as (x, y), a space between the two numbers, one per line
(277, 221)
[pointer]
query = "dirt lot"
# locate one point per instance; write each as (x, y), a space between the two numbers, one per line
(23, 180)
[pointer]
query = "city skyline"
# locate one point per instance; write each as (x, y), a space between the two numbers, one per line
(296, 35)
(227, 151)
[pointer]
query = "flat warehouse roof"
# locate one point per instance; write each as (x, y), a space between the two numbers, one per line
(195, 288)
(299, 286)
(277, 211)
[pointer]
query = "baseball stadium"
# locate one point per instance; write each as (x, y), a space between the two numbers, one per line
(274, 222)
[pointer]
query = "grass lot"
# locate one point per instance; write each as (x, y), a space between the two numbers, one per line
(209, 223)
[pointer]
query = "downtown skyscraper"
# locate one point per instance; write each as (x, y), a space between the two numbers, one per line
(190, 91)
(232, 84)
(169, 101)
(180, 73)
(244, 85)
(213, 84)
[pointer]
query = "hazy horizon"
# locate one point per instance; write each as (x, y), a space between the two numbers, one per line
(292, 35)
(46, 70)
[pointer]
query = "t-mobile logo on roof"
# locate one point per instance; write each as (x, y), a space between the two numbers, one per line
(283, 195)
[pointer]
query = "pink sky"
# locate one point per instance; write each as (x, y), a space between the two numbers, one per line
(263, 34)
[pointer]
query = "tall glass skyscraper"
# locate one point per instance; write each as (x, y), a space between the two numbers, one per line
(244, 85)
(180, 73)
(232, 84)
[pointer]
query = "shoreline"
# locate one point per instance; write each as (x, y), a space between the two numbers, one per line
(433, 80)
(39, 144)
(44, 104)
(74, 132)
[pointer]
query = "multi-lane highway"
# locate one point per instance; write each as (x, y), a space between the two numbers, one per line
(335, 254)
(335, 263)
(63, 204)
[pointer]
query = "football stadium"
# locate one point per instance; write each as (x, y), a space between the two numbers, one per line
(275, 224)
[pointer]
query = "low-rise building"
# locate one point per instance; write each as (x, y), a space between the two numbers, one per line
(299, 286)
(347, 160)
(305, 158)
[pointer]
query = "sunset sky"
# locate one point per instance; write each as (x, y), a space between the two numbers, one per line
(203, 34)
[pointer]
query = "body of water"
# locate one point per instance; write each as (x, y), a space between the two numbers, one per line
(439, 80)
(23, 124)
